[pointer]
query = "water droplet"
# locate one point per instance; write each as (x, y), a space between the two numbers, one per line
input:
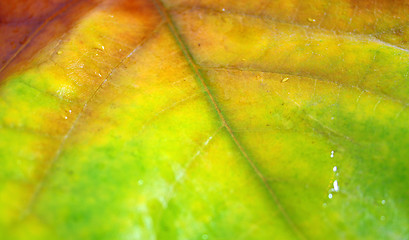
(383, 202)
(311, 19)
(70, 111)
(332, 118)
(205, 236)
(334, 169)
(102, 47)
(332, 154)
(336, 187)
(330, 195)
(59, 52)
(65, 117)
(284, 80)
(140, 181)
(223, 9)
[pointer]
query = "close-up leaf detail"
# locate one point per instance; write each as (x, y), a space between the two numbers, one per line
(204, 119)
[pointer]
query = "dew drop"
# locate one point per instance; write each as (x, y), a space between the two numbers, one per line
(65, 117)
(336, 187)
(140, 181)
(332, 154)
(330, 195)
(383, 202)
(223, 9)
(311, 19)
(59, 52)
(334, 169)
(70, 111)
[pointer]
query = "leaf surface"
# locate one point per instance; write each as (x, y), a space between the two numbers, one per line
(204, 120)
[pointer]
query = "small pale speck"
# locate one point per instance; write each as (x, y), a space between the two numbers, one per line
(332, 154)
(336, 187)
(205, 236)
(383, 202)
(382, 218)
(330, 195)
(284, 80)
(65, 117)
(208, 140)
(324, 205)
(102, 47)
(140, 181)
(69, 111)
(223, 9)
(334, 168)
(311, 19)
(59, 52)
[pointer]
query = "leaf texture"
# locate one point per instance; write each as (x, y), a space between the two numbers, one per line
(204, 119)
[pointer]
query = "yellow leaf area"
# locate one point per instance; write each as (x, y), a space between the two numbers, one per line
(208, 120)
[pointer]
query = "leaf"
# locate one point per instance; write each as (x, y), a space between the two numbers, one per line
(204, 120)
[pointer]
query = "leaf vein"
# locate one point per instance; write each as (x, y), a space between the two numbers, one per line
(197, 72)
(368, 37)
(385, 96)
(48, 169)
(36, 31)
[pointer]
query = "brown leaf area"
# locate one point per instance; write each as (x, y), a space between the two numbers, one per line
(28, 26)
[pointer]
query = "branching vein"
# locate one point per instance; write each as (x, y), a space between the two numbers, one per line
(64, 139)
(199, 75)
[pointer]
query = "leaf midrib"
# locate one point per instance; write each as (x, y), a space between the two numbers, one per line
(199, 76)
(344, 34)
